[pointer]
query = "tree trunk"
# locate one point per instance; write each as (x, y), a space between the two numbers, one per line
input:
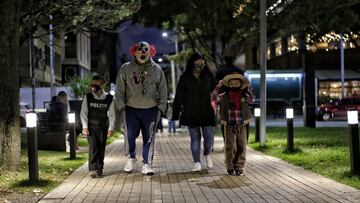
(9, 82)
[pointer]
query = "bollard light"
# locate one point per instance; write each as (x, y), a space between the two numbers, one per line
(32, 140)
(354, 141)
(352, 116)
(290, 129)
(257, 113)
(71, 117)
(289, 113)
(31, 119)
(72, 136)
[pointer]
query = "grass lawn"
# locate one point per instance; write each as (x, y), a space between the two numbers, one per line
(54, 167)
(322, 150)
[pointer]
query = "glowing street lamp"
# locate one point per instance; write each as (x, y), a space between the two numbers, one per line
(172, 63)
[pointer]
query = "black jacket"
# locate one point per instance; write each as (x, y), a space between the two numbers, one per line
(192, 102)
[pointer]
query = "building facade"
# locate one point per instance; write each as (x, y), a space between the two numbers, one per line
(71, 57)
(283, 54)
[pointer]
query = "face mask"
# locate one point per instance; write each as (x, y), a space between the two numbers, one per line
(234, 89)
(95, 88)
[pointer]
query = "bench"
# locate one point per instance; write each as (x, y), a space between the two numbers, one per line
(51, 135)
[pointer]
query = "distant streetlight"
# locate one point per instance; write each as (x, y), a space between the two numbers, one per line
(342, 64)
(32, 143)
(354, 141)
(112, 89)
(290, 129)
(72, 137)
(51, 45)
(172, 63)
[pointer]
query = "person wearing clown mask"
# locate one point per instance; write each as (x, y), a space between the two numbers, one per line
(142, 91)
(98, 121)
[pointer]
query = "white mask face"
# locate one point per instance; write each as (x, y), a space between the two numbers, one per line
(142, 53)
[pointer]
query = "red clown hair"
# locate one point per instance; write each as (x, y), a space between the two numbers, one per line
(134, 48)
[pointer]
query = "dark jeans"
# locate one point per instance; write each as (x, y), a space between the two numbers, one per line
(195, 143)
(97, 140)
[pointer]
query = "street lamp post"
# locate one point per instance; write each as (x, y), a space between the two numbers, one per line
(354, 141)
(32, 141)
(51, 43)
(172, 63)
(72, 136)
(263, 72)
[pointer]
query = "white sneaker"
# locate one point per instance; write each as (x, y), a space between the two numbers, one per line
(130, 165)
(147, 170)
(197, 167)
(208, 162)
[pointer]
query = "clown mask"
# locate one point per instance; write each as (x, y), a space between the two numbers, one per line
(142, 53)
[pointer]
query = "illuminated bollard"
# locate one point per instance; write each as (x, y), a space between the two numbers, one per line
(354, 141)
(257, 113)
(32, 141)
(72, 136)
(290, 129)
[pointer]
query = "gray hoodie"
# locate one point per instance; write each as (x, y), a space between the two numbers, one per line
(141, 86)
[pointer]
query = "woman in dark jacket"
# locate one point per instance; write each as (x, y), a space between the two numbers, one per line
(193, 106)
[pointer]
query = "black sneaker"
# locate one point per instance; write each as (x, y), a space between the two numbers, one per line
(239, 172)
(99, 173)
(230, 171)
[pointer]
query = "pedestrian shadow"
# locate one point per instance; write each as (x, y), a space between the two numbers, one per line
(163, 178)
(227, 181)
(177, 177)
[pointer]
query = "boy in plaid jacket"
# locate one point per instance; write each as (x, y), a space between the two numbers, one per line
(235, 114)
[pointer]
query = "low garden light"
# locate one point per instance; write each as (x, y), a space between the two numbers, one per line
(72, 136)
(31, 119)
(71, 117)
(31, 125)
(290, 129)
(353, 127)
(289, 113)
(257, 113)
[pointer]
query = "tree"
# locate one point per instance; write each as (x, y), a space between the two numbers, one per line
(17, 25)
(69, 15)
(207, 26)
(9, 81)
(80, 86)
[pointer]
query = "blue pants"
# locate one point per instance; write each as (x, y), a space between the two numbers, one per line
(172, 127)
(145, 120)
(195, 144)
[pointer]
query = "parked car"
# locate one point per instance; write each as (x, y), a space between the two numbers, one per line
(337, 109)
(24, 108)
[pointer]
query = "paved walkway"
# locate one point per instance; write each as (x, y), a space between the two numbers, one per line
(266, 179)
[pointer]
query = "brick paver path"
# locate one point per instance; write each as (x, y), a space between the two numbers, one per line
(266, 179)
